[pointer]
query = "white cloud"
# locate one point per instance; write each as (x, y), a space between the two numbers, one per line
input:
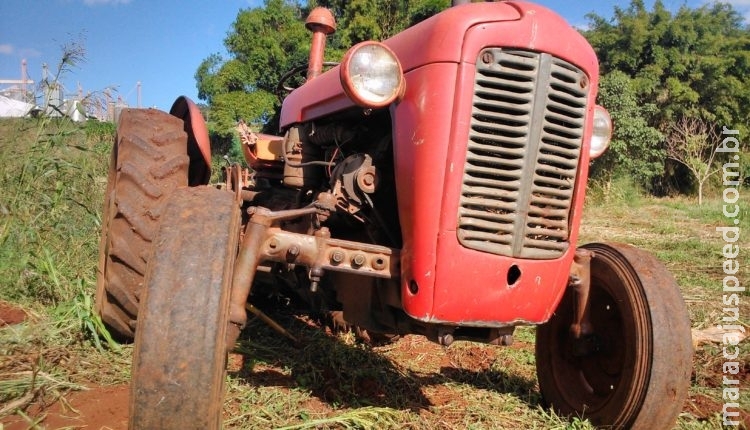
(9, 49)
(28, 53)
(105, 2)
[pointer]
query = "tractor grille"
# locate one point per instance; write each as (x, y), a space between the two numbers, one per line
(525, 141)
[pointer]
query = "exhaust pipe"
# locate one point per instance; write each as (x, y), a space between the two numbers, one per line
(321, 23)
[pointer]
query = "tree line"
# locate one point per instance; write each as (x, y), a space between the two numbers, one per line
(670, 79)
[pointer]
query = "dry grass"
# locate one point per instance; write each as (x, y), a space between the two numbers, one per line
(50, 198)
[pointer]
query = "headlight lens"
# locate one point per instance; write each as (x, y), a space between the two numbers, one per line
(371, 75)
(602, 132)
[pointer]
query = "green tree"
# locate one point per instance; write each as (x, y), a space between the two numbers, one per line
(635, 147)
(263, 44)
(693, 63)
(266, 42)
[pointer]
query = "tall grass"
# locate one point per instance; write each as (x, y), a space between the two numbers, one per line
(51, 189)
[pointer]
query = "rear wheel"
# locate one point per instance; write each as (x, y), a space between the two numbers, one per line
(634, 371)
(149, 161)
(180, 355)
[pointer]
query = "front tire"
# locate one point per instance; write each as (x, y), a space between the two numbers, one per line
(635, 369)
(180, 355)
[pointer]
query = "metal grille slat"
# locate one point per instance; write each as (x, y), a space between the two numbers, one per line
(487, 204)
(525, 141)
(498, 217)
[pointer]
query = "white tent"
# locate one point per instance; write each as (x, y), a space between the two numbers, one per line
(75, 111)
(10, 108)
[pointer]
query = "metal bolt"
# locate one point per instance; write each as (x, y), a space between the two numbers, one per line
(292, 253)
(487, 57)
(445, 339)
(506, 340)
(337, 257)
(273, 245)
(358, 260)
(315, 274)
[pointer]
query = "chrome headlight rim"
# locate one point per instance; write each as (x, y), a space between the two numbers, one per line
(601, 132)
(352, 83)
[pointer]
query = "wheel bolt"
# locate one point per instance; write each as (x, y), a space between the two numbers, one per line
(337, 257)
(358, 260)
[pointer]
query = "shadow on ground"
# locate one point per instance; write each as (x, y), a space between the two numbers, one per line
(342, 372)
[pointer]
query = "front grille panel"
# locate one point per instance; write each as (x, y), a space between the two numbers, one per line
(522, 156)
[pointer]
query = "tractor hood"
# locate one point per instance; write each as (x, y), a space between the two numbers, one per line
(435, 40)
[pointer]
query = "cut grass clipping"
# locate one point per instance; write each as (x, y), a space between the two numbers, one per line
(52, 176)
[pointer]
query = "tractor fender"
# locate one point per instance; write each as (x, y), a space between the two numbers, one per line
(199, 145)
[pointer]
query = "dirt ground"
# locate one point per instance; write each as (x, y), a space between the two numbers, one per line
(10, 314)
(106, 407)
(95, 408)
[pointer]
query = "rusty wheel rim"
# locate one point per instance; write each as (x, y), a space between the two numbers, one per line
(608, 382)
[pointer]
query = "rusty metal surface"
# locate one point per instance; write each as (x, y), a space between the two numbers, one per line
(321, 23)
(636, 369)
(330, 254)
(580, 283)
(199, 144)
(526, 136)
(319, 252)
(179, 358)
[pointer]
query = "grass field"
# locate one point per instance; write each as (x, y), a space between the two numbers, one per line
(52, 176)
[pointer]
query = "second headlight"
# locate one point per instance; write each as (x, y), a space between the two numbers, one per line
(371, 75)
(601, 134)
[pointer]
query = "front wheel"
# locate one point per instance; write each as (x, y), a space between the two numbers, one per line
(634, 370)
(180, 355)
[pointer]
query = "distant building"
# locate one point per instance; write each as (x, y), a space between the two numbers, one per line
(19, 99)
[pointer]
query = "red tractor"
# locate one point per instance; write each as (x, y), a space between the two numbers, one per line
(431, 184)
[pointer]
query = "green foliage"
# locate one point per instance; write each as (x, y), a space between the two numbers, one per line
(77, 317)
(328, 381)
(617, 190)
(206, 77)
(266, 42)
(100, 131)
(263, 44)
(50, 192)
(228, 108)
(50, 197)
(660, 67)
(635, 150)
(693, 63)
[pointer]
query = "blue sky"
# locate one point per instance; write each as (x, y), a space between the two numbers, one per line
(157, 42)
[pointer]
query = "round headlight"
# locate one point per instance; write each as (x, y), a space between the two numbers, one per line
(371, 75)
(602, 132)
